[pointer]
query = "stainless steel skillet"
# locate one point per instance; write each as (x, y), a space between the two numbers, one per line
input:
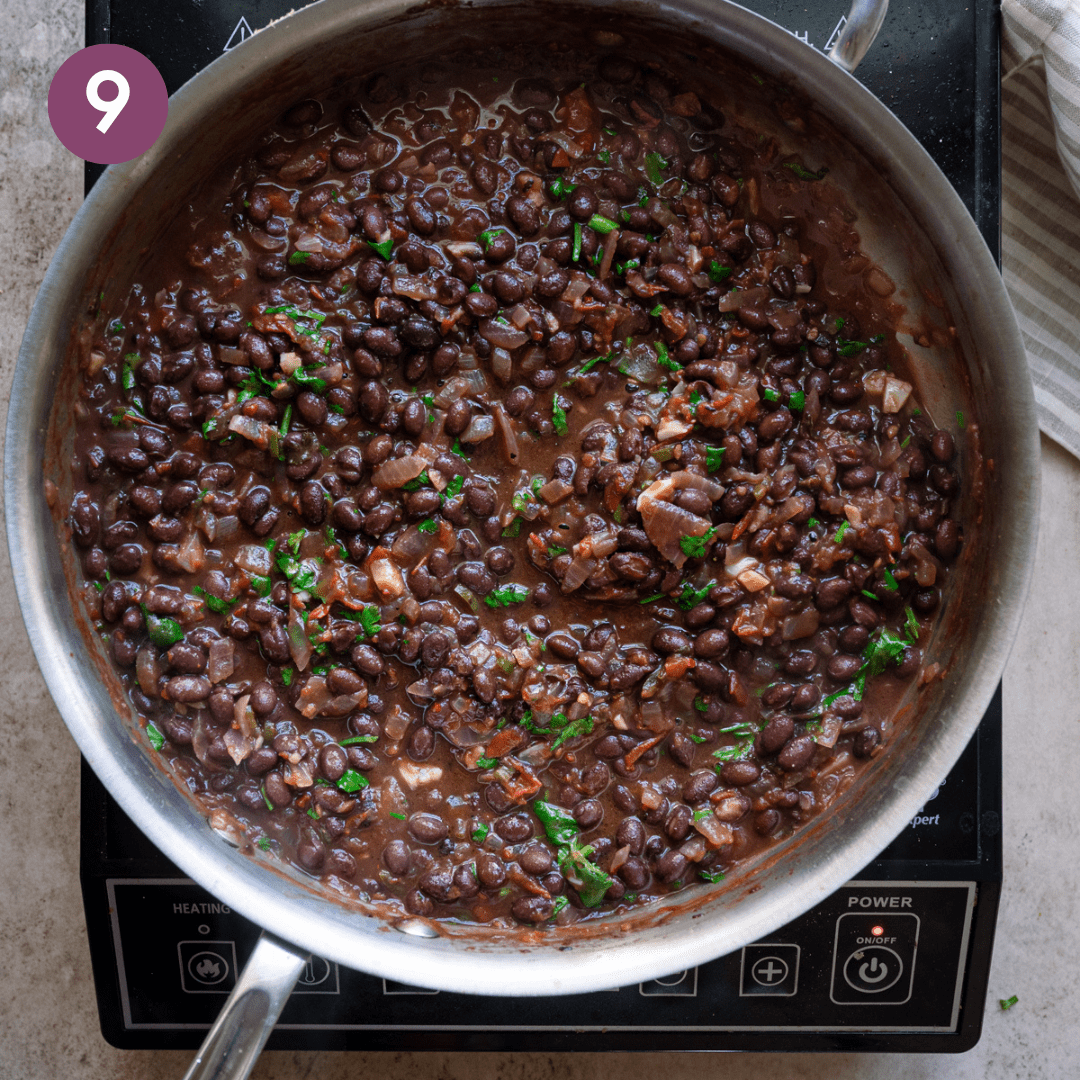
(917, 229)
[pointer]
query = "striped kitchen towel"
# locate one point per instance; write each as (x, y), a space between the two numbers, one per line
(1040, 175)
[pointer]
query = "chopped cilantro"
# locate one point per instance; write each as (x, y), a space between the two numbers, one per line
(575, 254)
(813, 523)
(714, 457)
(604, 156)
(384, 248)
(263, 843)
(912, 625)
(803, 173)
(356, 740)
(555, 550)
(558, 417)
(162, 631)
(700, 815)
(513, 529)
(592, 362)
(1007, 1003)
(695, 546)
(487, 237)
(691, 597)
(266, 798)
(417, 482)
(654, 163)
(370, 620)
(959, 419)
(738, 750)
(428, 525)
(214, 603)
(650, 599)
(849, 348)
(560, 187)
(487, 762)
(261, 585)
(602, 224)
(127, 376)
(400, 817)
(561, 903)
(559, 824)
(664, 359)
(797, 400)
(116, 327)
(890, 582)
(594, 881)
(287, 676)
(157, 740)
(710, 876)
(608, 131)
(701, 704)
(479, 834)
(352, 781)
(298, 258)
(584, 726)
(769, 394)
(838, 538)
(718, 272)
(657, 311)
(867, 593)
(506, 595)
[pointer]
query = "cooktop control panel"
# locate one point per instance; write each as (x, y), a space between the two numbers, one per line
(876, 956)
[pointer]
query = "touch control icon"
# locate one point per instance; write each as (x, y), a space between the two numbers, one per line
(873, 969)
(770, 969)
(207, 967)
(874, 957)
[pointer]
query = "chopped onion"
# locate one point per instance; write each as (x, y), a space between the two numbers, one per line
(455, 389)
(300, 648)
(896, 394)
(714, 830)
(480, 428)
(398, 471)
(418, 775)
(257, 431)
(412, 545)
(506, 432)
(415, 288)
(228, 355)
(577, 573)
(222, 660)
(502, 365)
(503, 334)
(386, 575)
(191, 556)
(397, 723)
(555, 490)
(801, 625)
(693, 850)
(226, 527)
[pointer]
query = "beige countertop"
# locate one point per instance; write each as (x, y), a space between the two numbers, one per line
(48, 1015)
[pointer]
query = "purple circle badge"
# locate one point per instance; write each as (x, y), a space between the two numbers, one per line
(108, 104)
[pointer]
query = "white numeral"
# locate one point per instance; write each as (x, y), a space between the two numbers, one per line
(111, 109)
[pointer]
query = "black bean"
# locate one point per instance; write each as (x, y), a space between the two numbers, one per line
(796, 754)
(947, 539)
(739, 773)
(699, 786)
(670, 866)
(866, 741)
(942, 447)
(776, 733)
(188, 688)
(523, 214)
(678, 822)
(532, 909)
(514, 828)
(588, 814)
(669, 640)
(427, 828)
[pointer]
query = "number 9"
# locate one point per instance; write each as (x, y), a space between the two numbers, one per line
(111, 109)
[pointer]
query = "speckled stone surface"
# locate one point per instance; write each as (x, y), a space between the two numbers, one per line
(48, 1015)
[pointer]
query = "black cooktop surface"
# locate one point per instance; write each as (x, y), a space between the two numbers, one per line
(898, 959)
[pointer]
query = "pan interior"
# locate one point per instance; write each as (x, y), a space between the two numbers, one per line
(911, 223)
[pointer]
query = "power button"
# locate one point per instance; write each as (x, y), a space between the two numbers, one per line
(874, 958)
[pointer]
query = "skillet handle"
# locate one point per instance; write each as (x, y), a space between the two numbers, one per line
(863, 23)
(233, 1045)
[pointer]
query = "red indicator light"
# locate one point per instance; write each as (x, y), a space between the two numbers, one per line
(877, 931)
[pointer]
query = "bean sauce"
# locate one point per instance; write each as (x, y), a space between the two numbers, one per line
(503, 495)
